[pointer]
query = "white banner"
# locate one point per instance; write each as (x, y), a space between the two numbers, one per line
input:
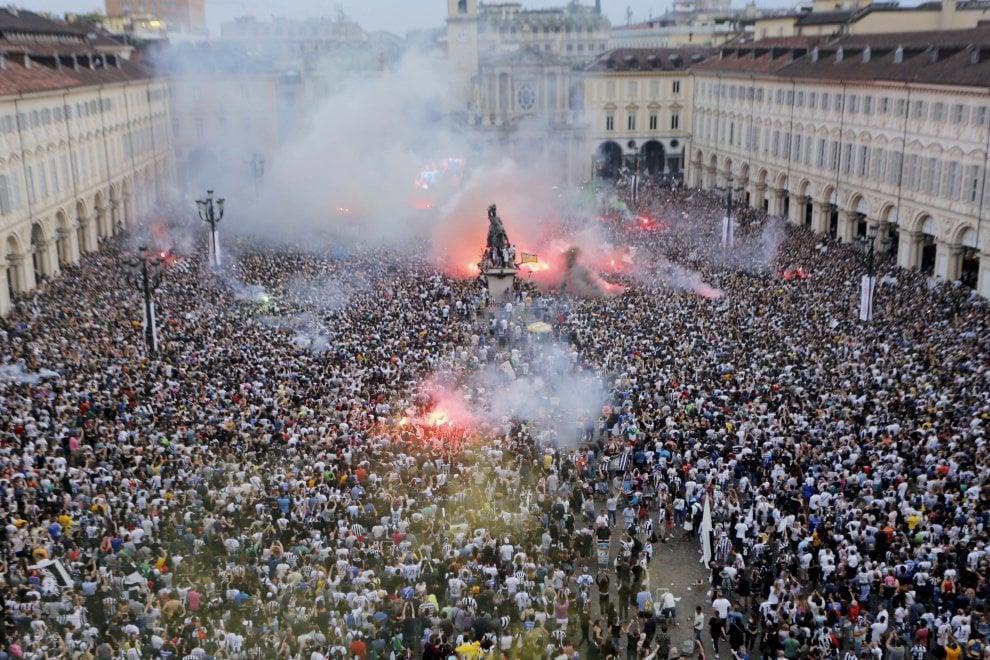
(154, 325)
(706, 532)
(868, 287)
(728, 232)
(215, 247)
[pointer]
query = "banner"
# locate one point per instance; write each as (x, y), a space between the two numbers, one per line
(528, 258)
(728, 232)
(867, 289)
(706, 532)
(153, 333)
(215, 247)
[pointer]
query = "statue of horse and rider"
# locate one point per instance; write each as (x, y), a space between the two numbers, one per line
(499, 253)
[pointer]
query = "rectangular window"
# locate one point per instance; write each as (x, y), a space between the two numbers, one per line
(812, 100)
(847, 158)
(4, 195)
(919, 110)
(980, 115)
(958, 114)
(732, 133)
(42, 181)
(971, 184)
(676, 87)
(894, 169)
(900, 107)
(837, 102)
(610, 90)
(938, 112)
(53, 168)
(853, 104)
(787, 147)
(951, 188)
(821, 153)
(631, 122)
(825, 101)
(610, 122)
(632, 89)
(29, 178)
(797, 149)
(807, 151)
(867, 105)
(654, 121)
(907, 179)
(800, 100)
(675, 122)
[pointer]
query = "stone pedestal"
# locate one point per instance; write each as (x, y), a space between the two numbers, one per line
(500, 281)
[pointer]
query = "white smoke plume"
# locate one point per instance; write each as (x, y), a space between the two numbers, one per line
(18, 373)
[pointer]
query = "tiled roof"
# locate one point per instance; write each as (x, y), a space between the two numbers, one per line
(767, 56)
(648, 59)
(21, 20)
(951, 57)
(824, 17)
(16, 78)
(957, 57)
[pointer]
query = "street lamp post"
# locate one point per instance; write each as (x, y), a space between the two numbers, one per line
(868, 284)
(146, 276)
(728, 222)
(258, 171)
(211, 212)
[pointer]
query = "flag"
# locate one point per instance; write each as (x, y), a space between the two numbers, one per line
(528, 258)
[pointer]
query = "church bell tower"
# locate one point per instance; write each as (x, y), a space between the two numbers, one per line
(462, 46)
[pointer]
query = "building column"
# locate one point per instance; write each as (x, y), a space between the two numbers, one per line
(88, 228)
(4, 286)
(948, 261)
(847, 226)
(795, 215)
(51, 264)
(983, 279)
(819, 218)
(25, 273)
(759, 192)
(908, 243)
(125, 210)
(777, 201)
(70, 244)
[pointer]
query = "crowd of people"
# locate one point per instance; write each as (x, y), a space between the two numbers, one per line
(326, 458)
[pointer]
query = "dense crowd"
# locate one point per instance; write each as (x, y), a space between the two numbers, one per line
(326, 459)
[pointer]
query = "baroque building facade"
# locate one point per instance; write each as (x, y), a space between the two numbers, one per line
(86, 147)
(883, 135)
(638, 103)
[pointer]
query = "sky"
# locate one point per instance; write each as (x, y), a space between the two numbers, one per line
(394, 15)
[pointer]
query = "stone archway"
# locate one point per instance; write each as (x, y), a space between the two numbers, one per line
(927, 244)
(42, 269)
(65, 249)
(609, 160)
(969, 257)
(16, 282)
(654, 158)
(86, 230)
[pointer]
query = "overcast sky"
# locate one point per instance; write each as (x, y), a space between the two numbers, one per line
(394, 15)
